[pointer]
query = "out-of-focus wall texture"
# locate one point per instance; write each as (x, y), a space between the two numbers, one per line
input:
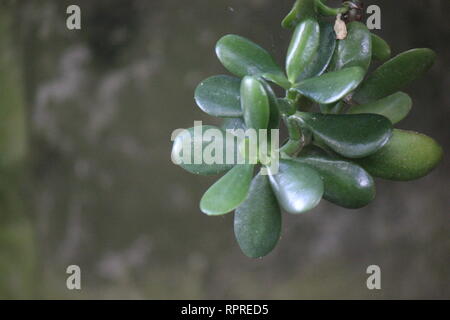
(98, 189)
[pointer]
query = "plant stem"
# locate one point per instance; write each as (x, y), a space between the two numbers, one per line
(295, 137)
(327, 11)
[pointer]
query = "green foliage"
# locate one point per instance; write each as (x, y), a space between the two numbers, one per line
(408, 155)
(331, 154)
(352, 136)
(257, 221)
(395, 74)
(355, 50)
(254, 103)
(394, 107)
(228, 192)
(218, 96)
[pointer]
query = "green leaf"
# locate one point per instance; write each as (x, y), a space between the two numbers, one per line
(274, 109)
(242, 57)
(332, 108)
(302, 10)
(394, 107)
(228, 192)
(219, 96)
(233, 124)
(351, 135)
(408, 155)
(297, 187)
(345, 183)
(331, 87)
(187, 138)
(395, 74)
(322, 58)
(380, 49)
(254, 103)
(355, 50)
(279, 79)
(257, 221)
(302, 49)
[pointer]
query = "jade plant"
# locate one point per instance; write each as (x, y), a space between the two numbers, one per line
(339, 117)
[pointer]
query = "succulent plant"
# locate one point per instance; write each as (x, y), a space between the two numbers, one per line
(331, 153)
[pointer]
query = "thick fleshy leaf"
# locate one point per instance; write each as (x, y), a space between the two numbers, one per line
(254, 103)
(351, 135)
(345, 183)
(380, 48)
(233, 124)
(302, 10)
(205, 146)
(274, 110)
(297, 187)
(395, 74)
(228, 192)
(219, 96)
(302, 49)
(408, 155)
(394, 107)
(257, 221)
(279, 79)
(324, 53)
(331, 87)
(243, 57)
(355, 50)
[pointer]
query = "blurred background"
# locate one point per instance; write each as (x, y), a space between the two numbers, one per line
(86, 177)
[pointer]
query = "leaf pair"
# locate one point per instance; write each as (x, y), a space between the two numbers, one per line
(229, 97)
(296, 187)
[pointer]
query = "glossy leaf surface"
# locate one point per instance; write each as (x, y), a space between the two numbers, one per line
(219, 96)
(380, 48)
(302, 10)
(302, 49)
(394, 107)
(395, 74)
(243, 57)
(257, 221)
(345, 183)
(254, 103)
(297, 187)
(408, 155)
(353, 136)
(332, 108)
(186, 138)
(355, 50)
(322, 58)
(233, 124)
(228, 192)
(331, 87)
(274, 110)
